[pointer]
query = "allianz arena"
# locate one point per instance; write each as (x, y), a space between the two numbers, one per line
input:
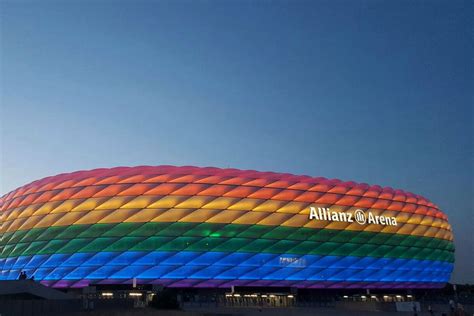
(191, 227)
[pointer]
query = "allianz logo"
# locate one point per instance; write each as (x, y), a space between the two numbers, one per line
(359, 216)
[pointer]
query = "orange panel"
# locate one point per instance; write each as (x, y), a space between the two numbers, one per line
(241, 192)
(190, 189)
(137, 189)
(215, 190)
(164, 189)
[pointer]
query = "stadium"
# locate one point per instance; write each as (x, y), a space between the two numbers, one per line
(192, 227)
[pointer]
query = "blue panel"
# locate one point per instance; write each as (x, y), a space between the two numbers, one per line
(79, 273)
(99, 259)
(124, 272)
(130, 257)
(54, 261)
(233, 258)
(208, 258)
(151, 273)
(182, 272)
(180, 258)
(259, 259)
(257, 273)
(21, 261)
(76, 259)
(324, 262)
(152, 258)
(58, 273)
(36, 261)
(209, 272)
(103, 272)
(233, 273)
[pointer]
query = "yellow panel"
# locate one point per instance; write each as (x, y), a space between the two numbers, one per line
(275, 219)
(172, 215)
(415, 219)
(47, 208)
(314, 224)
(12, 225)
(225, 217)
(270, 206)
(69, 218)
(93, 217)
(221, 203)
(119, 215)
(420, 230)
(296, 221)
(28, 211)
(89, 204)
(195, 202)
(199, 216)
(145, 215)
(373, 228)
(391, 229)
(406, 229)
(12, 214)
(67, 206)
(245, 205)
(48, 221)
(141, 201)
(354, 226)
(169, 201)
(113, 203)
(337, 225)
(427, 220)
(29, 223)
(250, 218)
(292, 207)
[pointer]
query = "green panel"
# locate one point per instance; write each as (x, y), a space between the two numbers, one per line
(231, 230)
(283, 246)
(18, 250)
(34, 248)
(32, 234)
(98, 244)
(72, 231)
(323, 235)
(148, 229)
(75, 245)
(13, 237)
(380, 250)
(205, 244)
(279, 232)
(343, 236)
(255, 231)
(52, 246)
(364, 250)
(204, 229)
(50, 233)
(230, 244)
(177, 229)
(95, 230)
(300, 234)
(151, 243)
(124, 244)
(122, 230)
(178, 244)
(256, 245)
(362, 237)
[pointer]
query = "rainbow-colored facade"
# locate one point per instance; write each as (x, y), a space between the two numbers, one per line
(210, 227)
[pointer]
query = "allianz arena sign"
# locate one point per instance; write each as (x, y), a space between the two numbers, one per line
(359, 216)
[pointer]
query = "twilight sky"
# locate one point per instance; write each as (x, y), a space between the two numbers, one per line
(371, 91)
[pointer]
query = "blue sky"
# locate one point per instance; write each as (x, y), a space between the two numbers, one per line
(370, 91)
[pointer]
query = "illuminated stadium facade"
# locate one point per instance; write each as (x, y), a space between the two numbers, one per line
(190, 227)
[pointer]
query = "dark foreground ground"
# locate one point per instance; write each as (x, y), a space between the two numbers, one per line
(248, 311)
